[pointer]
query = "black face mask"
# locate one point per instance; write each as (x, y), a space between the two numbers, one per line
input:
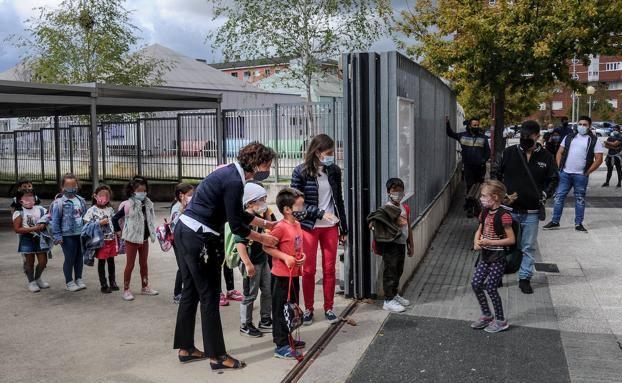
(527, 143)
(299, 215)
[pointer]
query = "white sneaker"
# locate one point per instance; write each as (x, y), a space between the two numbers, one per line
(148, 291)
(71, 286)
(80, 283)
(401, 300)
(33, 287)
(42, 284)
(127, 295)
(393, 306)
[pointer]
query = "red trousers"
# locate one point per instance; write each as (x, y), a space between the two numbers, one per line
(328, 239)
(131, 249)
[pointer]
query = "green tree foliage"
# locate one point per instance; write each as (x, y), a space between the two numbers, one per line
(311, 31)
(86, 41)
(510, 48)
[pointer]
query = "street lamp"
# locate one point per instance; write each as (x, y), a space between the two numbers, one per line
(590, 91)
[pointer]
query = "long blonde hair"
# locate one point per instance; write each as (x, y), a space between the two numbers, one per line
(498, 189)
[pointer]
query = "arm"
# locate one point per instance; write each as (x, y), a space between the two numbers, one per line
(476, 239)
(338, 196)
(237, 217)
(509, 239)
(598, 160)
(450, 133)
(298, 182)
(410, 244)
(558, 157)
(552, 178)
(17, 226)
(242, 251)
(486, 149)
(117, 217)
(57, 217)
(498, 168)
(276, 253)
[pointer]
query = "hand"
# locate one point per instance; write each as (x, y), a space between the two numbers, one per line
(269, 240)
(343, 239)
(59, 242)
(446, 119)
(290, 261)
(39, 227)
(104, 222)
(476, 246)
(300, 261)
(270, 225)
(484, 242)
(250, 269)
(402, 221)
(118, 233)
(410, 252)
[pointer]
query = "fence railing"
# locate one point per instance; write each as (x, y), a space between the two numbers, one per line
(187, 146)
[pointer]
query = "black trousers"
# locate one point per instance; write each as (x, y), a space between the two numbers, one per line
(610, 161)
(201, 280)
(228, 273)
(393, 255)
(473, 174)
(280, 288)
(101, 270)
(178, 282)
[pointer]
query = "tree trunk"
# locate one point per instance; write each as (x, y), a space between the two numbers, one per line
(311, 131)
(499, 140)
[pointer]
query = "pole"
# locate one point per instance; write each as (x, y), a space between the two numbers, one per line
(16, 164)
(221, 147)
(139, 157)
(275, 123)
(590, 107)
(179, 164)
(94, 147)
(57, 149)
(41, 151)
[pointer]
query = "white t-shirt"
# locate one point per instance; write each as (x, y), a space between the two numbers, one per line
(98, 214)
(30, 217)
(577, 154)
(325, 199)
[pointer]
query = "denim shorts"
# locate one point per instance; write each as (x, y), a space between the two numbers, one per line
(28, 244)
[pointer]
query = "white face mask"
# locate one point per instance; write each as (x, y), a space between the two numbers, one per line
(582, 130)
(486, 202)
(261, 208)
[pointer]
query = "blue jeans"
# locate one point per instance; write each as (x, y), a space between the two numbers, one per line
(72, 250)
(529, 235)
(567, 181)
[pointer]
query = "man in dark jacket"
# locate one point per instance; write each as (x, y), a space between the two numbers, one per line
(510, 169)
(475, 154)
(565, 129)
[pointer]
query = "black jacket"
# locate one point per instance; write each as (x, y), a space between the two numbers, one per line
(510, 170)
(475, 148)
(308, 185)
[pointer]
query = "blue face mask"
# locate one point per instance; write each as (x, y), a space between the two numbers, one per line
(70, 192)
(328, 160)
(582, 130)
(140, 196)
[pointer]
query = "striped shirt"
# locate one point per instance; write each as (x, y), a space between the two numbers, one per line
(488, 229)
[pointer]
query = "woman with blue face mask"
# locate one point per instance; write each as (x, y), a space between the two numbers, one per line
(138, 228)
(323, 220)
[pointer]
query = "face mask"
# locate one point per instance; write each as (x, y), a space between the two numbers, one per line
(261, 209)
(328, 160)
(486, 202)
(396, 197)
(615, 133)
(28, 202)
(527, 143)
(299, 214)
(550, 130)
(102, 200)
(70, 192)
(140, 196)
(556, 139)
(261, 175)
(582, 130)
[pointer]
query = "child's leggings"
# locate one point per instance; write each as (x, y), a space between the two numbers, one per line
(487, 277)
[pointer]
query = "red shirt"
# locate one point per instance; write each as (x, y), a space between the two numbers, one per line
(290, 243)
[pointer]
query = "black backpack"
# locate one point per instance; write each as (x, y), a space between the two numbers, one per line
(513, 253)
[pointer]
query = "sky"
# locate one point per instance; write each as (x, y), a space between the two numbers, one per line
(181, 25)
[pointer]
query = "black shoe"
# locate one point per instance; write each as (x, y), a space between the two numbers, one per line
(265, 325)
(105, 290)
(525, 286)
(249, 329)
(113, 285)
(580, 228)
(500, 285)
(619, 185)
(606, 184)
(551, 225)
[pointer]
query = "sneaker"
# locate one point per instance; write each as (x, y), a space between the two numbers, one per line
(223, 300)
(619, 185)
(401, 300)
(331, 317)
(525, 286)
(80, 284)
(33, 287)
(177, 299)
(606, 184)
(105, 290)
(307, 318)
(265, 325)
(286, 352)
(393, 306)
(298, 344)
(482, 322)
(235, 295)
(580, 228)
(114, 286)
(551, 225)
(71, 286)
(127, 295)
(147, 290)
(497, 326)
(250, 330)
(42, 284)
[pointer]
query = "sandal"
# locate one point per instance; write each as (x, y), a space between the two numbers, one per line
(190, 357)
(220, 365)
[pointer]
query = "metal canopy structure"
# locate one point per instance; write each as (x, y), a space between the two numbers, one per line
(25, 99)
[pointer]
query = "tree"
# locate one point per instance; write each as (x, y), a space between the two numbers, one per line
(512, 47)
(311, 31)
(86, 41)
(601, 107)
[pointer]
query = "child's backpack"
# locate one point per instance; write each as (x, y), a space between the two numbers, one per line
(513, 253)
(232, 258)
(164, 235)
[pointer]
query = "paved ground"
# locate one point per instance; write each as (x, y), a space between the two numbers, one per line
(57, 336)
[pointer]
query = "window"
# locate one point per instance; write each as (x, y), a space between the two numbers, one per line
(557, 105)
(543, 106)
(405, 143)
(267, 72)
(257, 73)
(616, 85)
(234, 74)
(613, 66)
(492, 2)
(613, 102)
(247, 75)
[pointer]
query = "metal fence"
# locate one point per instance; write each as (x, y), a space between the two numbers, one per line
(186, 146)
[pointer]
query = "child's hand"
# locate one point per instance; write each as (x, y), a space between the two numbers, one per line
(104, 222)
(300, 261)
(410, 252)
(39, 227)
(250, 269)
(402, 221)
(484, 242)
(290, 262)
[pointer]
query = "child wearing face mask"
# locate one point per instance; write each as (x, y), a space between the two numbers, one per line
(67, 212)
(26, 218)
(254, 266)
(102, 211)
(183, 196)
(491, 264)
(138, 227)
(24, 184)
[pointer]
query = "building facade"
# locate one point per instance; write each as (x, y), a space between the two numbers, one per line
(252, 71)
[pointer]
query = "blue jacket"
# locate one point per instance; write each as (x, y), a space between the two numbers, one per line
(475, 148)
(63, 220)
(308, 185)
(91, 239)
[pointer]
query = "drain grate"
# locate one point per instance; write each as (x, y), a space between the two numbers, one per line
(547, 267)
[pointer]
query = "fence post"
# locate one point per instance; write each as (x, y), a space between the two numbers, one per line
(70, 148)
(41, 150)
(139, 159)
(334, 109)
(221, 147)
(275, 124)
(103, 149)
(57, 149)
(178, 152)
(93, 146)
(15, 156)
